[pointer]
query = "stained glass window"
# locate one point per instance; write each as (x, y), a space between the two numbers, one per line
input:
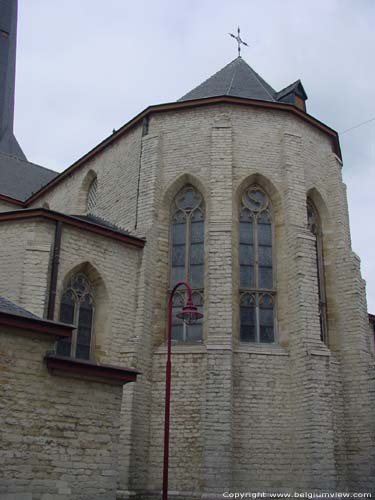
(187, 258)
(77, 308)
(257, 293)
(314, 225)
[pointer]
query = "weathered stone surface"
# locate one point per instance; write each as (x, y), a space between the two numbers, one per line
(296, 415)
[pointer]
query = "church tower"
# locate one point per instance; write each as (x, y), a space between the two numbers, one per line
(8, 43)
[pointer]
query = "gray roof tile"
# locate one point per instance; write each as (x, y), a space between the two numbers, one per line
(19, 179)
(9, 307)
(236, 79)
(102, 222)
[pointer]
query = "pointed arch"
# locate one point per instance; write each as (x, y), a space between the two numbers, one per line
(178, 183)
(314, 195)
(257, 282)
(267, 185)
(186, 262)
(315, 226)
(83, 303)
(88, 192)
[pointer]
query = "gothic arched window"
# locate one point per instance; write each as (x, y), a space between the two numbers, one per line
(314, 225)
(91, 195)
(257, 292)
(77, 308)
(187, 258)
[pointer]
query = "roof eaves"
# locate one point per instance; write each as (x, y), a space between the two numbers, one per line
(94, 227)
(39, 325)
(11, 200)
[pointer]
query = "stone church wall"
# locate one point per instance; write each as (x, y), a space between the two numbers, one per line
(6, 207)
(25, 260)
(59, 434)
(299, 398)
(294, 396)
(116, 169)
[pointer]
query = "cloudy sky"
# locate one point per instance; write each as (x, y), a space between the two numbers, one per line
(86, 67)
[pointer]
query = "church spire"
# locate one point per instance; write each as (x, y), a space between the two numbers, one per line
(8, 42)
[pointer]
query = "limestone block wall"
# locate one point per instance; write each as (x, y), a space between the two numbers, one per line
(112, 267)
(6, 207)
(262, 419)
(59, 436)
(24, 262)
(113, 270)
(292, 161)
(187, 410)
(221, 149)
(117, 169)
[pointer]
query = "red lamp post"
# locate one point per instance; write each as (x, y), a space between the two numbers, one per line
(189, 314)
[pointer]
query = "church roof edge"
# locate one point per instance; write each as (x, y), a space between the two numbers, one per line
(92, 224)
(179, 105)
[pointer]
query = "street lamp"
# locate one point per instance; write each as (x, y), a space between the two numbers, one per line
(189, 314)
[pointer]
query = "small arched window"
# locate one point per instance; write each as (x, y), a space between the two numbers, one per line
(257, 292)
(91, 195)
(77, 308)
(187, 258)
(314, 225)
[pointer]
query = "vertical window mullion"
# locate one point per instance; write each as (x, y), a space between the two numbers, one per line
(257, 326)
(189, 207)
(256, 253)
(187, 266)
(256, 277)
(75, 331)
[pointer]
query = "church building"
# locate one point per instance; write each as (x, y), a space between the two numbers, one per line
(237, 190)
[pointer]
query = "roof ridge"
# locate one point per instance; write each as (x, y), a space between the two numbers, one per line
(231, 83)
(261, 81)
(209, 78)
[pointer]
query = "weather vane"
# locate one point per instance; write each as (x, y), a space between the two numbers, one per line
(239, 41)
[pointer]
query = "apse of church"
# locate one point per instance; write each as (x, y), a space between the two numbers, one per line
(237, 190)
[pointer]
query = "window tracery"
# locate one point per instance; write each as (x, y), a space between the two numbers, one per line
(187, 258)
(257, 293)
(77, 308)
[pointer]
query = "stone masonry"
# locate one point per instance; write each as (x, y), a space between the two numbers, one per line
(292, 416)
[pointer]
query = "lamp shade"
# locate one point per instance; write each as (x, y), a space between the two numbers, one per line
(189, 314)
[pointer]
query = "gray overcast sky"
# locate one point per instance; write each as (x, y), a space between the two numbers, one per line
(86, 67)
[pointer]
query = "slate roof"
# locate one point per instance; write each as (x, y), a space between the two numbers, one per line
(293, 87)
(236, 79)
(102, 222)
(9, 307)
(19, 179)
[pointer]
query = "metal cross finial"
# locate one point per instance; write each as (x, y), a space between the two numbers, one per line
(239, 41)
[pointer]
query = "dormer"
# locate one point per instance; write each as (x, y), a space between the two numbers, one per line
(293, 94)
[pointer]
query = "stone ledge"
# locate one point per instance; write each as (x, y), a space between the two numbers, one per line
(35, 324)
(77, 368)
(255, 349)
(316, 352)
(183, 349)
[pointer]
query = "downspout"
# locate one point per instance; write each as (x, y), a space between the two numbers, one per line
(145, 129)
(54, 271)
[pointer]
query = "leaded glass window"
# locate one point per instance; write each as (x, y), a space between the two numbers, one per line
(187, 258)
(257, 292)
(91, 195)
(314, 225)
(77, 308)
